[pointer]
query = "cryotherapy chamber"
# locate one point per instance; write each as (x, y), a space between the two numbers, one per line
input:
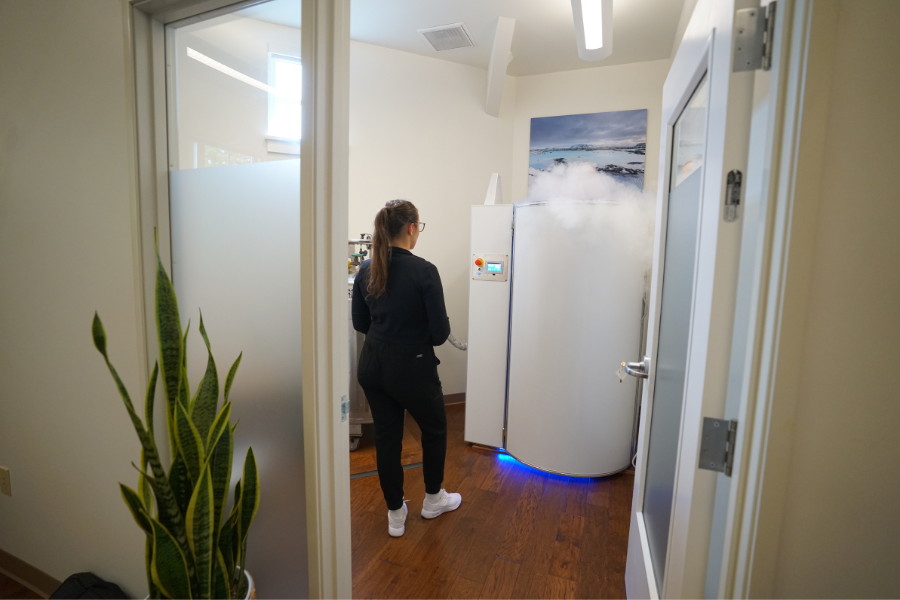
(555, 305)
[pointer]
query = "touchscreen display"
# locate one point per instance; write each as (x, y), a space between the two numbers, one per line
(495, 267)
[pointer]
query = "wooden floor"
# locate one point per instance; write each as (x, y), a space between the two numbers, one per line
(362, 460)
(10, 588)
(519, 533)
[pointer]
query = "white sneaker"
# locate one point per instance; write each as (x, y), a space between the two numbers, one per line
(446, 502)
(397, 527)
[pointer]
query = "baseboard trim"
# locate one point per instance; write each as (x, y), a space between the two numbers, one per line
(455, 398)
(27, 574)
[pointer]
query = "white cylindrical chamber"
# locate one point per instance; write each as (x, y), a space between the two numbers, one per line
(577, 287)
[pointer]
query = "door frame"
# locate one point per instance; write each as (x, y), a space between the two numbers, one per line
(784, 187)
(790, 181)
(323, 229)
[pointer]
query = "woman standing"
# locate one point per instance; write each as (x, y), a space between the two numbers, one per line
(398, 302)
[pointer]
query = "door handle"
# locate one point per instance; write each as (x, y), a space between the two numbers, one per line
(637, 369)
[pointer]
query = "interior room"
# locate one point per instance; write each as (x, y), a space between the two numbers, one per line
(429, 126)
(422, 129)
(631, 232)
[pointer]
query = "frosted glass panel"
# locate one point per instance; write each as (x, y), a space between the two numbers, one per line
(671, 362)
(236, 256)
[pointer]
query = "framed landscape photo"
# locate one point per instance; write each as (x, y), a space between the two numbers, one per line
(613, 143)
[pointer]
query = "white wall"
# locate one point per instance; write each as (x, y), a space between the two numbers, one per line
(602, 89)
(418, 131)
(66, 238)
(840, 524)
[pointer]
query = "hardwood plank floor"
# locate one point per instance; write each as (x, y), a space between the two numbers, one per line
(519, 533)
(362, 460)
(10, 588)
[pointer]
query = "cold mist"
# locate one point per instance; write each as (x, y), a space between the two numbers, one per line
(574, 189)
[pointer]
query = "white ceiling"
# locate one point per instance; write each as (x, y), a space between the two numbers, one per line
(281, 12)
(544, 39)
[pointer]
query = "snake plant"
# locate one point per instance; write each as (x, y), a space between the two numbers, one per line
(192, 549)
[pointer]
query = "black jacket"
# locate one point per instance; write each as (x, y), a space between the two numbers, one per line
(411, 311)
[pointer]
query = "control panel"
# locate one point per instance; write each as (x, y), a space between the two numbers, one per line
(490, 267)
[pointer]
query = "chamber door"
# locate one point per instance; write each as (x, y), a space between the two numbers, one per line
(576, 309)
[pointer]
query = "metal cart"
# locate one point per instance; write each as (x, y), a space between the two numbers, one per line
(360, 414)
(359, 408)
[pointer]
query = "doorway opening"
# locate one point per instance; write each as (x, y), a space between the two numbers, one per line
(421, 129)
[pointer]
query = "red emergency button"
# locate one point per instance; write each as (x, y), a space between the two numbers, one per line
(479, 262)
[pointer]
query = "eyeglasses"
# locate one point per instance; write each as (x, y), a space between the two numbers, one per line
(421, 226)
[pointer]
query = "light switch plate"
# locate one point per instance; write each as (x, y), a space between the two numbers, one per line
(5, 487)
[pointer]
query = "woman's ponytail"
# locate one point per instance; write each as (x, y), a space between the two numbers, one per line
(389, 222)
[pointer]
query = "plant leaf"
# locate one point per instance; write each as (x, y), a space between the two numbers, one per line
(220, 580)
(220, 470)
(249, 501)
(225, 545)
(136, 506)
(236, 546)
(190, 444)
(203, 409)
(180, 480)
(249, 493)
(222, 422)
(185, 548)
(169, 567)
(151, 396)
(233, 524)
(200, 532)
(144, 487)
(183, 396)
(153, 591)
(169, 514)
(144, 490)
(231, 373)
(171, 344)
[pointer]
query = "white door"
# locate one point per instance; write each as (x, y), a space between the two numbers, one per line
(706, 121)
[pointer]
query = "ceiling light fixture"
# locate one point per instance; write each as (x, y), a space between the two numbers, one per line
(593, 28)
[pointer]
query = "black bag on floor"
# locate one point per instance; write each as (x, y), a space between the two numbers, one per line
(87, 585)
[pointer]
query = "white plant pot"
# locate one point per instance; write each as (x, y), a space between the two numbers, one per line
(251, 588)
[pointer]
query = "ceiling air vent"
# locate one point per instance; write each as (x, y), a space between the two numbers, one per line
(447, 37)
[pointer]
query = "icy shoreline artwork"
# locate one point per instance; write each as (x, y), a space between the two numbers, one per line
(613, 143)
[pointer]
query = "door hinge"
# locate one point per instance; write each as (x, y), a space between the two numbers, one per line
(717, 445)
(732, 195)
(754, 30)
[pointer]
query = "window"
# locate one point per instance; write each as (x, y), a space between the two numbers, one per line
(285, 76)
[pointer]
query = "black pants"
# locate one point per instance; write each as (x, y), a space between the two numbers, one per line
(399, 378)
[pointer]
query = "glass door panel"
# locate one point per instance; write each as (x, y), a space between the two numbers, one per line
(688, 137)
(235, 234)
(674, 325)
